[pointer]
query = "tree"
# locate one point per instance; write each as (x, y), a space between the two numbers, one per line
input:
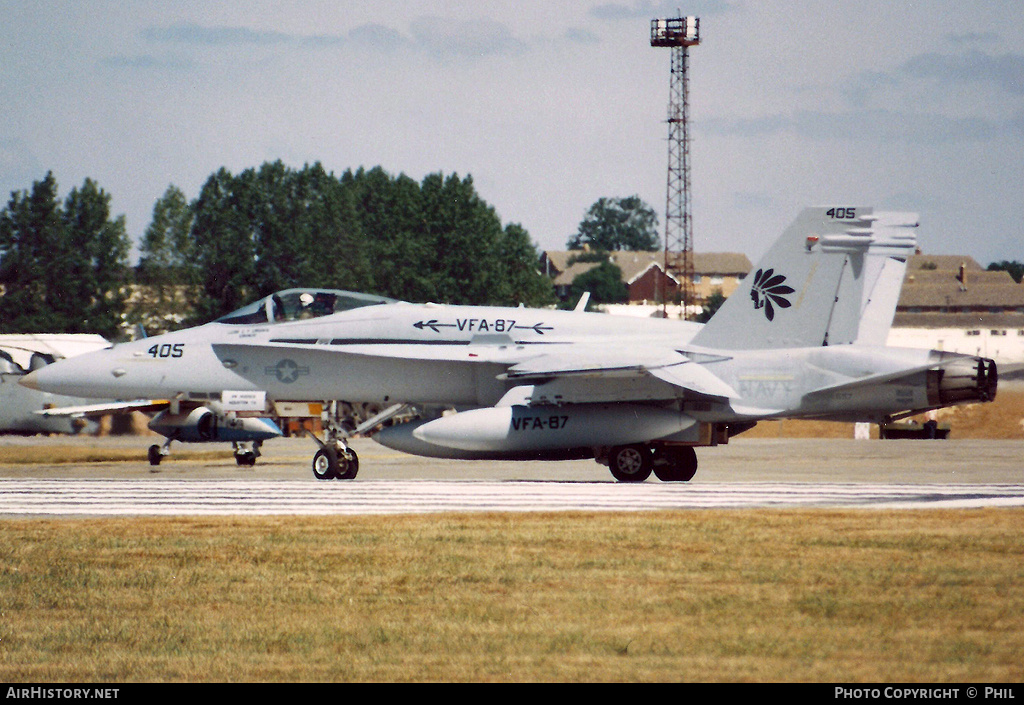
(711, 306)
(30, 231)
(167, 264)
(390, 215)
(96, 256)
(165, 253)
(64, 269)
(464, 235)
(340, 258)
(618, 224)
(223, 245)
(1016, 269)
(305, 230)
(604, 282)
(526, 285)
(439, 241)
(274, 228)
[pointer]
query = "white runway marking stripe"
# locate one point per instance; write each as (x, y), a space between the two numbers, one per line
(211, 497)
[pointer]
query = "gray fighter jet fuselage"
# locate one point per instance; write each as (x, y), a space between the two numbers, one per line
(416, 353)
(803, 337)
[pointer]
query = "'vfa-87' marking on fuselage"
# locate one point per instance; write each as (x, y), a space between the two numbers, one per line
(482, 325)
(539, 423)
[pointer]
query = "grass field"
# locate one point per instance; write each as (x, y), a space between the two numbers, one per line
(796, 596)
(837, 596)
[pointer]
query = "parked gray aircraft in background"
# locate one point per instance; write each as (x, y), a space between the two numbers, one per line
(22, 353)
(803, 337)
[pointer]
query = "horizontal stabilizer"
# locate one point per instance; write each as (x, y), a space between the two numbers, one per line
(869, 381)
(693, 377)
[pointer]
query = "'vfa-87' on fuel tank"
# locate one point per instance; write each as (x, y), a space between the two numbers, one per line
(802, 337)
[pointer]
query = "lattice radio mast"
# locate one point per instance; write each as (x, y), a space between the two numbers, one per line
(679, 34)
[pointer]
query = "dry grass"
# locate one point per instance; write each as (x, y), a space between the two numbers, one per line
(76, 452)
(845, 596)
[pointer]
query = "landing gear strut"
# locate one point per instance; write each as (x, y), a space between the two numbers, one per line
(336, 460)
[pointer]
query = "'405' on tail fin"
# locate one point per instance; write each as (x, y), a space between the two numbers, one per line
(832, 278)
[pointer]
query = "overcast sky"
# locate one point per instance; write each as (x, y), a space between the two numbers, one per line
(549, 106)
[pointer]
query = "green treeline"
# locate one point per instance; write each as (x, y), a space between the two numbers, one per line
(64, 265)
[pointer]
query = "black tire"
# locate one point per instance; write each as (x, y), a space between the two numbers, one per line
(325, 464)
(630, 463)
(245, 459)
(680, 464)
(154, 455)
(348, 465)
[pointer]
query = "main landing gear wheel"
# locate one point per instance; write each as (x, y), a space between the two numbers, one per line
(630, 463)
(331, 464)
(155, 456)
(245, 458)
(677, 464)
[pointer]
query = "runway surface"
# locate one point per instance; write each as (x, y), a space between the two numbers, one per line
(293, 497)
(753, 474)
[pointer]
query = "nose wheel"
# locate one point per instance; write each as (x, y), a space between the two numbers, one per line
(331, 463)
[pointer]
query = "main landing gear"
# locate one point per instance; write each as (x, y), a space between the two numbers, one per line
(635, 463)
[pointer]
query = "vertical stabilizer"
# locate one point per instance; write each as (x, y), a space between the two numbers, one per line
(885, 270)
(827, 280)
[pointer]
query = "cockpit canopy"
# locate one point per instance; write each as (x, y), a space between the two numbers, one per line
(300, 304)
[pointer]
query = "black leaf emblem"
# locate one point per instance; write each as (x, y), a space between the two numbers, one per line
(770, 290)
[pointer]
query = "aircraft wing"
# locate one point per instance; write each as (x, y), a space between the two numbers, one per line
(665, 365)
(573, 364)
(121, 407)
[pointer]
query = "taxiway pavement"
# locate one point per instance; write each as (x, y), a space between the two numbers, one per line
(745, 473)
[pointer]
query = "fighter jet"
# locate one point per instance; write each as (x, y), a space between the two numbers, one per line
(803, 337)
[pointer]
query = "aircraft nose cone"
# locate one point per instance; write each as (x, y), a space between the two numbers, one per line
(31, 380)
